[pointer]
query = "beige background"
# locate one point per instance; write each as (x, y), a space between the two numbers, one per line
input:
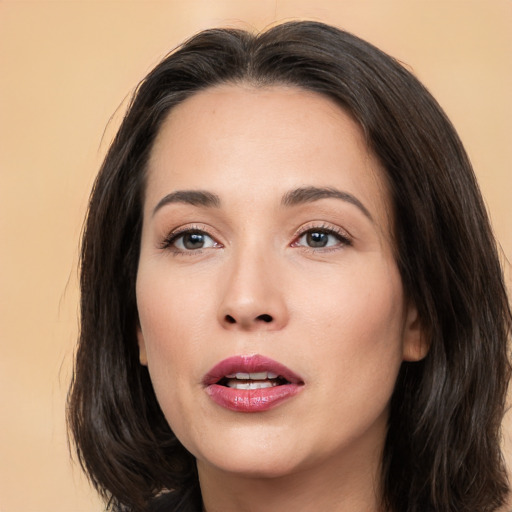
(65, 67)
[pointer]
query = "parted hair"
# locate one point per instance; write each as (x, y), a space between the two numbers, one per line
(442, 451)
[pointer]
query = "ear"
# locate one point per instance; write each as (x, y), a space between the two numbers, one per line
(415, 346)
(142, 347)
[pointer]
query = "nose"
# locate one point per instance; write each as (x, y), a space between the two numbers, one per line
(253, 295)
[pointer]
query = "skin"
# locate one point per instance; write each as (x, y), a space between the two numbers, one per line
(338, 315)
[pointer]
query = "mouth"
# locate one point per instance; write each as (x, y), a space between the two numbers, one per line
(251, 383)
(253, 380)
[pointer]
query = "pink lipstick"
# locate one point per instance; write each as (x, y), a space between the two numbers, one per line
(251, 383)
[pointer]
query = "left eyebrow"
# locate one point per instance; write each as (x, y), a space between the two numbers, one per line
(310, 194)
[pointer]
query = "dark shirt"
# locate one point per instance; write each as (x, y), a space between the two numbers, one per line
(171, 502)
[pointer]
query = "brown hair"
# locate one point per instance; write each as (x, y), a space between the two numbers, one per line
(442, 450)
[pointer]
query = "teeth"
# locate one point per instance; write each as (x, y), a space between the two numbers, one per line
(252, 376)
(250, 385)
(258, 376)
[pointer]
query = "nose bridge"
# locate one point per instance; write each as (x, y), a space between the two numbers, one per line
(253, 296)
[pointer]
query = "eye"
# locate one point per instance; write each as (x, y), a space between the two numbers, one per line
(319, 238)
(190, 240)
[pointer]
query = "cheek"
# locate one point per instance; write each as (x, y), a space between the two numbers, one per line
(166, 320)
(364, 304)
(170, 309)
(176, 320)
(359, 354)
(356, 325)
(163, 314)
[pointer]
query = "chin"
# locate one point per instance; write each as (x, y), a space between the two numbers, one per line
(251, 456)
(261, 467)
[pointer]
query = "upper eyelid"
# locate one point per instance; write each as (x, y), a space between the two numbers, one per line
(176, 233)
(187, 228)
(332, 228)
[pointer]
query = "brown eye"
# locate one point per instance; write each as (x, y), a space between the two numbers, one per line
(192, 240)
(320, 238)
(317, 239)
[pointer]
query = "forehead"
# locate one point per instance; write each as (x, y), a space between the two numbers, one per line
(232, 139)
(277, 117)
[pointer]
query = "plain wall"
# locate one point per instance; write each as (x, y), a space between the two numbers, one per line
(67, 67)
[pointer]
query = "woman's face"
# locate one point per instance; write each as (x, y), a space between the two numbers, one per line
(272, 316)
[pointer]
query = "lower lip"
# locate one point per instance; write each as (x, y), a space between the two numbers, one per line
(251, 400)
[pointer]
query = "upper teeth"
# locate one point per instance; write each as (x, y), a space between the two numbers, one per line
(252, 376)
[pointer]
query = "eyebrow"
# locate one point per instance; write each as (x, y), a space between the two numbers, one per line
(304, 195)
(192, 197)
(294, 197)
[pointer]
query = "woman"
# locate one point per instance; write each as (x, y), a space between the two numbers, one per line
(291, 297)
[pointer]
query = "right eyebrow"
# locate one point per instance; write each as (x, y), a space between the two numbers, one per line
(193, 197)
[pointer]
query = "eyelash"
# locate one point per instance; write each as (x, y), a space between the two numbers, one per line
(174, 236)
(342, 236)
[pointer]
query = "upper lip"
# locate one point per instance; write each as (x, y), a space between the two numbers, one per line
(249, 364)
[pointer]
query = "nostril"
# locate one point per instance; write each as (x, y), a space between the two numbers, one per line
(230, 319)
(264, 318)
(260, 318)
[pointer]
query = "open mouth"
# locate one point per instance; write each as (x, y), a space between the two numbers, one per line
(253, 380)
(250, 372)
(251, 383)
